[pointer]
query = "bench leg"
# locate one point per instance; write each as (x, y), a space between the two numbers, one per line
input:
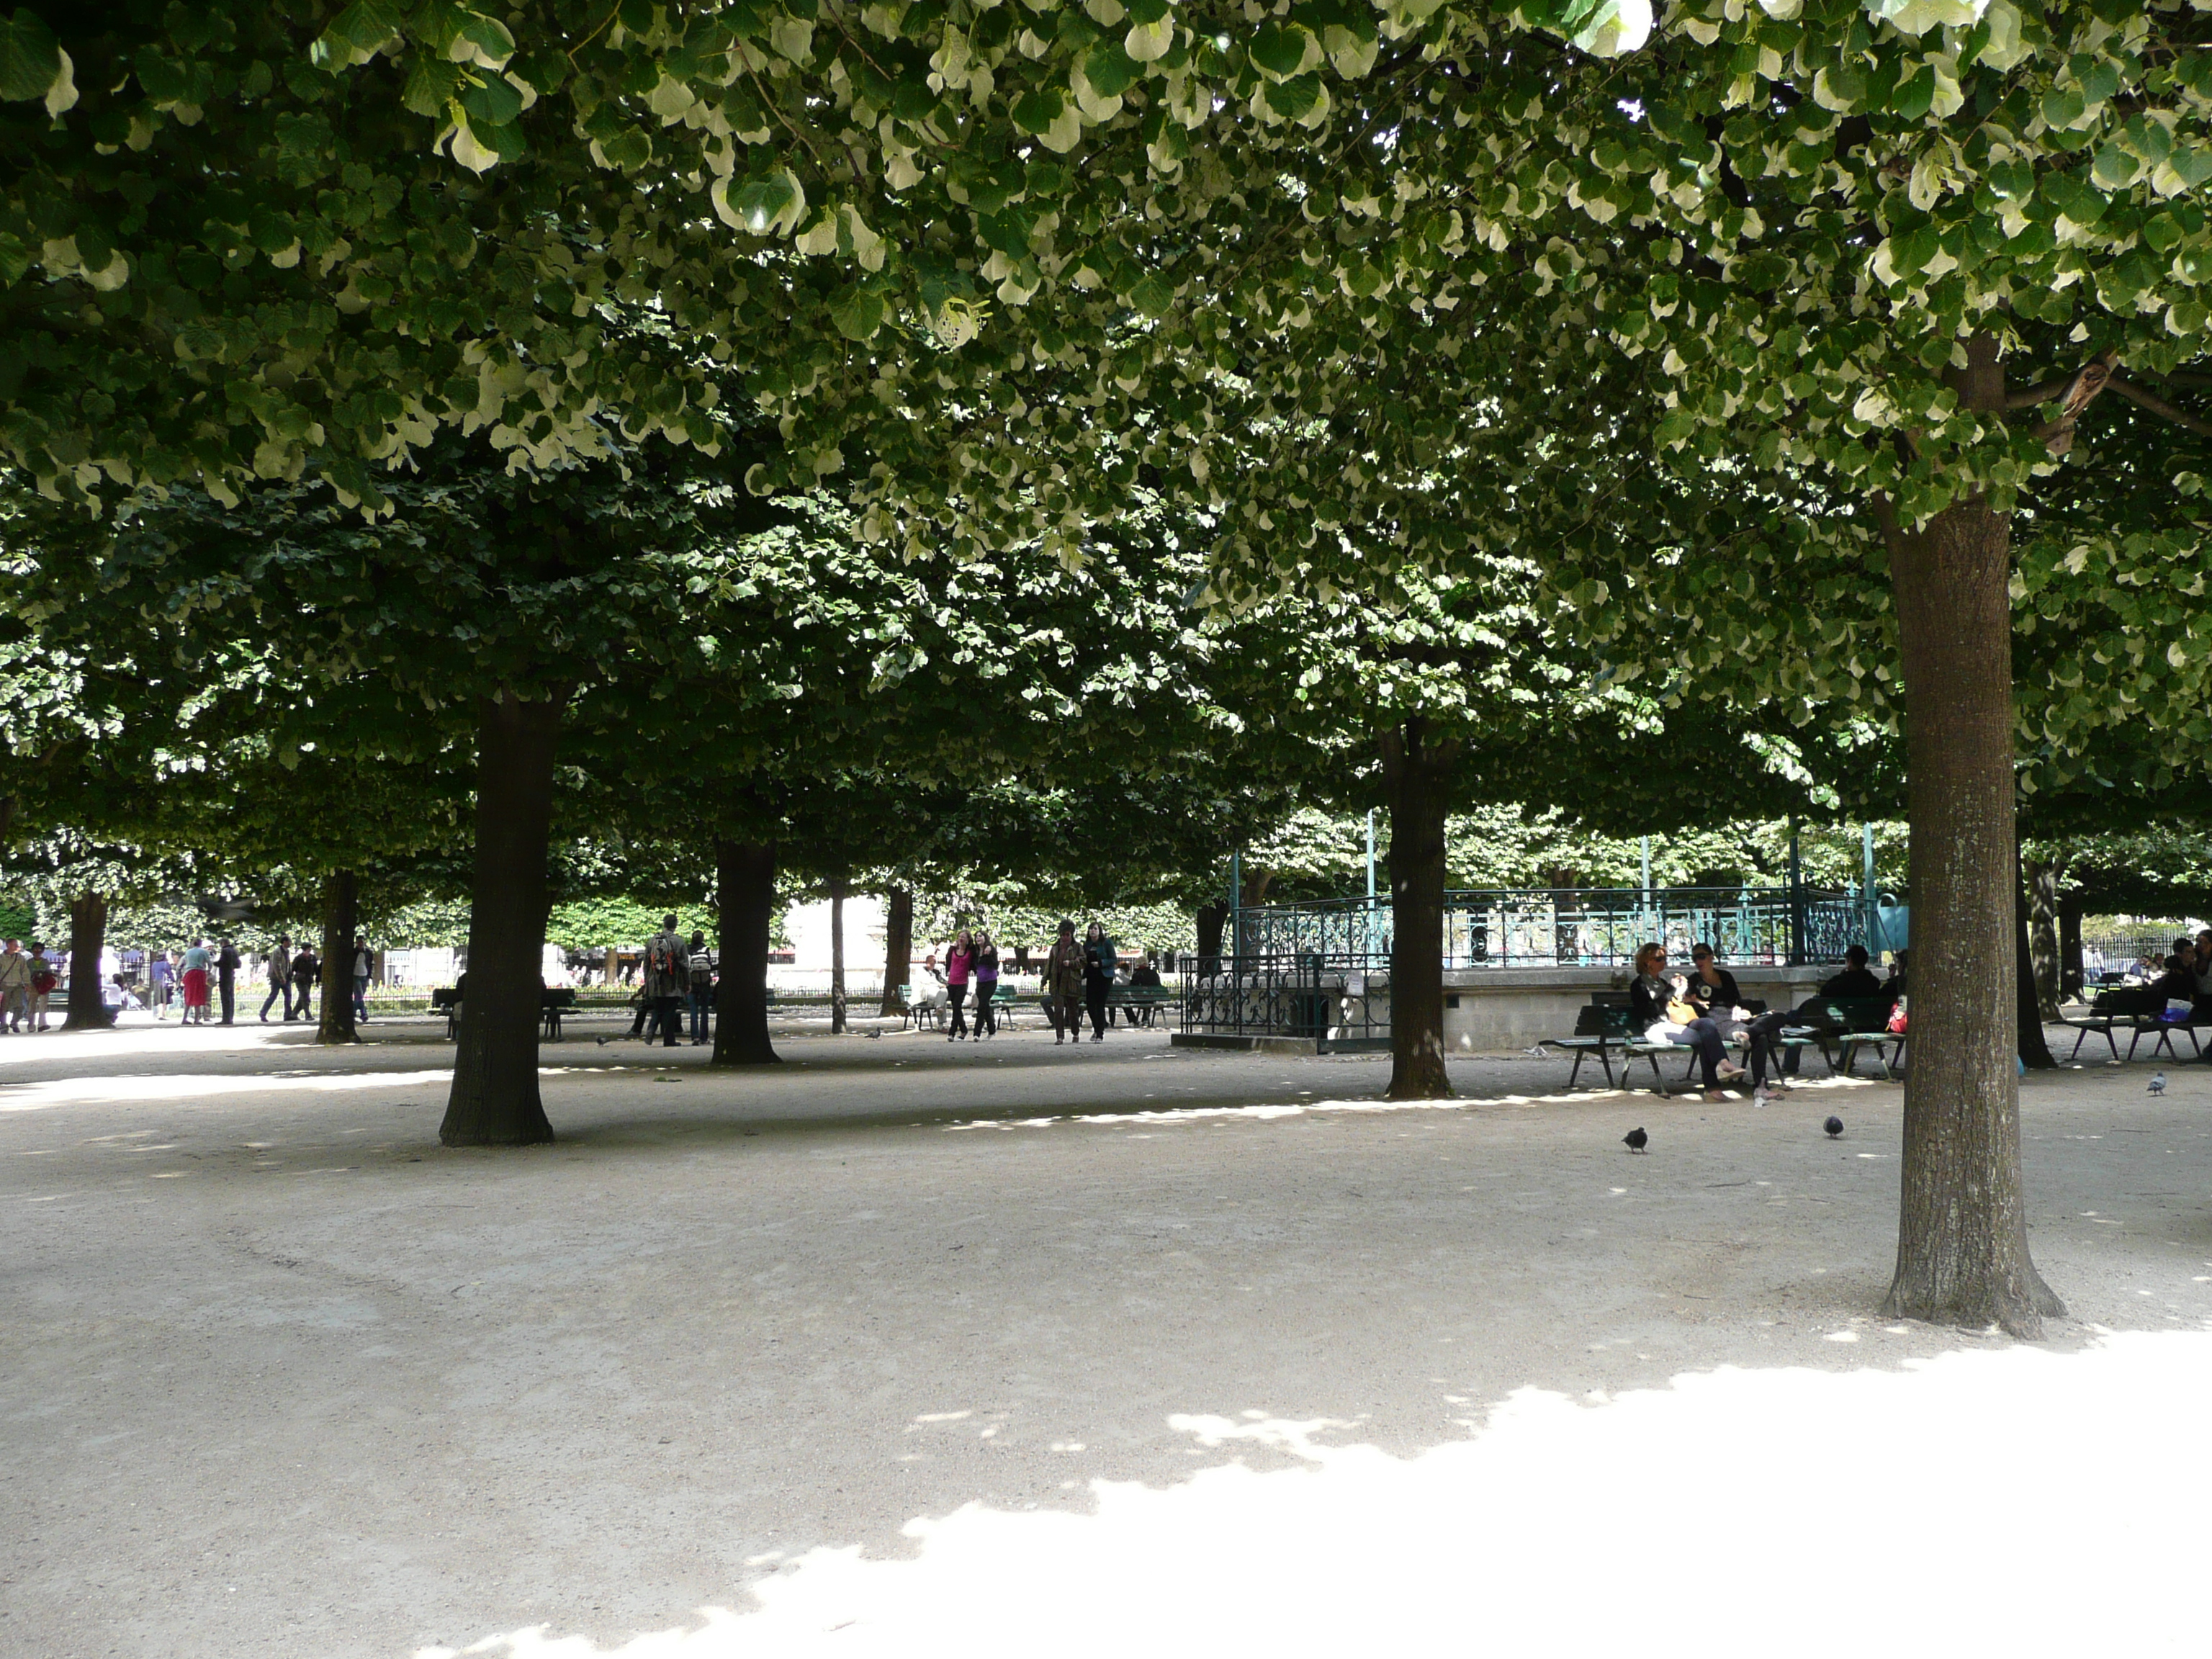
(2081, 1036)
(1576, 1070)
(1658, 1081)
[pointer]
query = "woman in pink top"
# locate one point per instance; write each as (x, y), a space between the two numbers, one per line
(958, 961)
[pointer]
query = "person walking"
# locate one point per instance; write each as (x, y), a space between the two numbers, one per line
(958, 961)
(15, 986)
(986, 970)
(197, 961)
(226, 978)
(45, 976)
(667, 982)
(702, 987)
(364, 965)
(280, 977)
(1099, 961)
(1063, 987)
(306, 974)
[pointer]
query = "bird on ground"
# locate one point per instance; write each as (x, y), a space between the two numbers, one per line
(1834, 1125)
(2157, 1083)
(1636, 1140)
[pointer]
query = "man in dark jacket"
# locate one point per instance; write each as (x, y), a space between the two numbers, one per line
(306, 968)
(1856, 979)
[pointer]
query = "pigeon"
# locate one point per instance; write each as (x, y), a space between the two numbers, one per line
(1636, 1140)
(1834, 1125)
(2157, 1083)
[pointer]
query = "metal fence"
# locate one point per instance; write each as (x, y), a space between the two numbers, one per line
(1566, 927)
(1340, 1000)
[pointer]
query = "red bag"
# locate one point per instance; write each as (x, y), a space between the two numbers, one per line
(1896, 1020)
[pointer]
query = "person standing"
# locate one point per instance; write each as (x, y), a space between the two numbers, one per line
(14, 985)
(197, 961)
(45, 976)
(1063, 987)
(306, 973)
(987, 985)
(958, 963)
(226, 978)
(702, 987)
(364, 964)
(280, 977)
(667, 982)
(1099, 961)
(161, 975)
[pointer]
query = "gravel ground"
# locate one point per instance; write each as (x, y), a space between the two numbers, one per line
(282, 1377)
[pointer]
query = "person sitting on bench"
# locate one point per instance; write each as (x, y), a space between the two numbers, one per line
(1712, 992)
(1856, 979)
(1657, 1009)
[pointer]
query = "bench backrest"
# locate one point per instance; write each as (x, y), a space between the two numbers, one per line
(1600, 1019)
(2127, 999)
(1850, 1013)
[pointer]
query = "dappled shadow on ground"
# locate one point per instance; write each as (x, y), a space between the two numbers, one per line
(1736, 1511)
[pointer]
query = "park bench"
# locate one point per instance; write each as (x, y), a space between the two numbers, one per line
(2134, 1009)
(1842, 1026)
(553, 1001)
(1602, 1029)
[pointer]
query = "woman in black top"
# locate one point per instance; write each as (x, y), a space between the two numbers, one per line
(1649, 993)
(1712, 992)
(1098, 964)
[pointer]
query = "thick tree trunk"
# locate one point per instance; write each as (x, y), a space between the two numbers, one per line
(2041, 880)
(495, 1100)
(837, 957)
(1962, 1253)
(898, 948)
(87, 997)
(1417, 772)
(1212, 919)
(2071, 976)
(340, 916)
(745, 897)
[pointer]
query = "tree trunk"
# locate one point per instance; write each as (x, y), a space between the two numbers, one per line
(87, 998)
(340, 905)
(1417, 773)
(495, 1100)
(898, 948)
(837, 957)
(2041, 880)
(2034, 1049)
(744, 897)
(1212, 919)
(2071, 974)
(1962, 1253)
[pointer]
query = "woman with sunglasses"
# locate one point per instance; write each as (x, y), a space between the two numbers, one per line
(1654, 1005)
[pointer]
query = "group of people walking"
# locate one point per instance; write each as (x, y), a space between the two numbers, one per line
(27, 979)
(1076, 978)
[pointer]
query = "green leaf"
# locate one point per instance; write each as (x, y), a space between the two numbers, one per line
(1279, 50)
(30, 62)
(492, 100)
(1111, 70)
(858, 313)
(1914, 97)
(1035, 111)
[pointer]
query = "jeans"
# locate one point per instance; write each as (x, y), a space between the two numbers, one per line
(360, 998)
(305, 988)
(1067, 1012)
(668, 1019)
(227, 992)
(1765, 1048)
(1094, 999)
(284, 990)
(702, 1001)
(955, 995)
(987, 1018)
(1705, 1037)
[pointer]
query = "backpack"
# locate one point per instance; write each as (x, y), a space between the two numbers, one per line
(703, 970)
(660, 962)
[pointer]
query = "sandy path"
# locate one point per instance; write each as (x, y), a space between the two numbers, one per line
(282, 1377)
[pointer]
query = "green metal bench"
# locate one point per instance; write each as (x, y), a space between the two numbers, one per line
(1842, 1026)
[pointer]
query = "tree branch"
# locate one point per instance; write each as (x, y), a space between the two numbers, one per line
(2159, 406)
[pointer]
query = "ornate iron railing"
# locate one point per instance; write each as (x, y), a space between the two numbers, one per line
(1571, 928)
(1340, 1000)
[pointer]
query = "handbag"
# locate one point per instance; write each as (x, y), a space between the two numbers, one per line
(1680, 1012)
